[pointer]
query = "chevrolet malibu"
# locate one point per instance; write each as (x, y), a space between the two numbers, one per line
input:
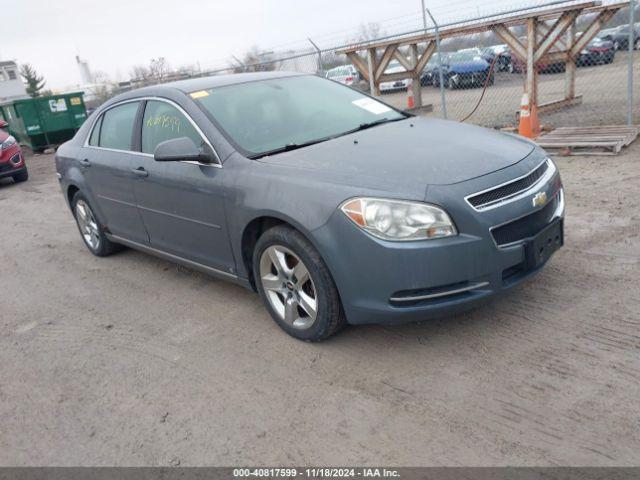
(334, 206)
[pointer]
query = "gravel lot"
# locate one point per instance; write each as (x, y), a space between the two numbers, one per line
(131, 360)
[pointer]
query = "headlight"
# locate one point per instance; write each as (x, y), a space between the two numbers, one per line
(9, 142)
(399, 219)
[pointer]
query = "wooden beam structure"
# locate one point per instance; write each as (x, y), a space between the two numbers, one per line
(550, 38)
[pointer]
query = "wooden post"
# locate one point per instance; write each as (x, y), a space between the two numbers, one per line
(570, 65)
(415, 84)
(374, 84)
(532, 71)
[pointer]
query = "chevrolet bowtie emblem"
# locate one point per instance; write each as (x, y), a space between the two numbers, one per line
(539, 199)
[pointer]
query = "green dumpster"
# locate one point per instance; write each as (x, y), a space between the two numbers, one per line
(44, 122)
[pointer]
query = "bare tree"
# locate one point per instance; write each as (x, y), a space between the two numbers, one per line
(100, 76)
(369, 31)
(257, 60)
(140, 73)
(159, 68)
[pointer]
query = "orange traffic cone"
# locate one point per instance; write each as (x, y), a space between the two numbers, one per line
(529, 125)
(410, 102)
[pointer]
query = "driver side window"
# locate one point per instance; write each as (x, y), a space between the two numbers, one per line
(162, 121)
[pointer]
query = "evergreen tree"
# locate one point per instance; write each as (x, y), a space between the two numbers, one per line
(35, 83)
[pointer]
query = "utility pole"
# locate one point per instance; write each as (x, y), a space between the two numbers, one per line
(424, 16)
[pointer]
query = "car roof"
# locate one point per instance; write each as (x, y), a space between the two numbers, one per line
(206, 83)
(197, 84)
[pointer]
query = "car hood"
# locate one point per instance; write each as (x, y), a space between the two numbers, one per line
(427, 151)
(3, 136)
(466, 67)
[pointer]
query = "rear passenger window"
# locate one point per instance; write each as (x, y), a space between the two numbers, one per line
(94, 139)
(117, 126)
(162, 121)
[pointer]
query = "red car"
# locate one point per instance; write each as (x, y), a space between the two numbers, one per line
(12, 162)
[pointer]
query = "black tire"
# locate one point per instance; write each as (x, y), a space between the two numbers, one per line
(448, 83)
(104, 247)
(636, 44)
(21, 177)
(330, 316)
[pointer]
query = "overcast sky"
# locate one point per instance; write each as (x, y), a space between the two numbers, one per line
(114, 35)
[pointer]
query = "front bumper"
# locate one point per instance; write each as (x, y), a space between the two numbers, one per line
(392, 86)
(469, 79)
(11, 162)
(395, 282)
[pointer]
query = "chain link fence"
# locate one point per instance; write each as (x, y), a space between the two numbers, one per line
(492, 99)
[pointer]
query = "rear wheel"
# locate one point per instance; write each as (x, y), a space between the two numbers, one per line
(296, 286)
(21, 177)
(91, 231)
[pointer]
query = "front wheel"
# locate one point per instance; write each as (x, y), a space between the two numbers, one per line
(296, 286)
(449, 83)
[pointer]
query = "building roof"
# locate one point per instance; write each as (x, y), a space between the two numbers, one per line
(9, 63)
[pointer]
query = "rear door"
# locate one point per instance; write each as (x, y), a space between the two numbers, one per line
(106, 163)
(181, 203)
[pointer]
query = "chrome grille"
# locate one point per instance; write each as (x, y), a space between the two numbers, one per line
(503, 192)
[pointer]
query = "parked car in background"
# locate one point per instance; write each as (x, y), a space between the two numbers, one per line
(620, 37)
(426, 78)
(519, 66)
(12, 162)
(503, 62)
(598, 51)
(403, 84)
(486, 55)
(345, 74)
(334, 206)
(463, 69)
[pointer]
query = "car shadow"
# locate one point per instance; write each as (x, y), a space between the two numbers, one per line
(7, 182)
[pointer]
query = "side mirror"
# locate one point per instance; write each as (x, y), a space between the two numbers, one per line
(183, 148)
(3, 124)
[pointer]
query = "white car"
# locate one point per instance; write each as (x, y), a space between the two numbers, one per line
(394, 67)
(346, 74)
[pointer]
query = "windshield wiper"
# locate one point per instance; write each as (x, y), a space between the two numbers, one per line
(287, 148)
(364, 126)
(294, 146)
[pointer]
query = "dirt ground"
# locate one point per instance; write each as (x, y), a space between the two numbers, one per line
(131, 360)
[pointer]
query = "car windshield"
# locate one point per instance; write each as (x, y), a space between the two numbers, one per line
(463, 57)
(285, 113)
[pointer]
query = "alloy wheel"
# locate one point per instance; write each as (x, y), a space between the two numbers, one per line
(88, 225)
(288, 287)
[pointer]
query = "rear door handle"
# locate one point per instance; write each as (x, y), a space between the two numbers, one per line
(140, 172)
(85, 163)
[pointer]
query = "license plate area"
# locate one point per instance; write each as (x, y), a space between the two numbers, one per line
(544, 244)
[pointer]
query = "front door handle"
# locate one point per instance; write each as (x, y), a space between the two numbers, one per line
(140, 172)
(85, 163)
